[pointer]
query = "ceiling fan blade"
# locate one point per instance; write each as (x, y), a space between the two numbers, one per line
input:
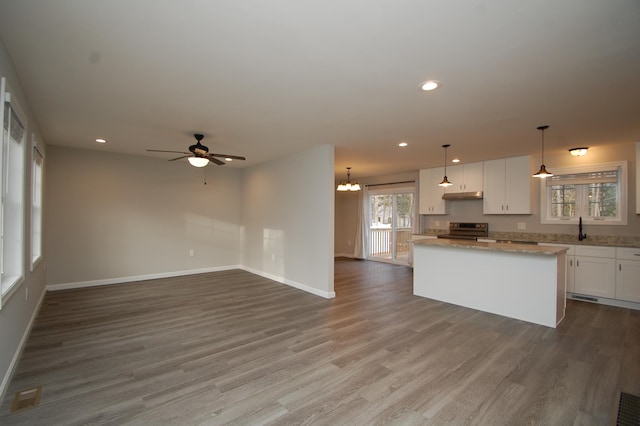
(215, 160)
(233, 157)
(161, 150)
(180, 158)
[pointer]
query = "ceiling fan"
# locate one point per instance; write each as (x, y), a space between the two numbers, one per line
(199, 155)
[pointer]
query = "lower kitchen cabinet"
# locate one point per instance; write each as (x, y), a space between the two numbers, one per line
(570, 269)
(628, 274)
(595, 271)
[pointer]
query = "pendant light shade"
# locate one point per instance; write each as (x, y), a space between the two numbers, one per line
(543, 173)
(348, 185)
(445, 182)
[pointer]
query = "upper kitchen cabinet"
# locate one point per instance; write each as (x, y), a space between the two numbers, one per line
(507, 186)
(465, 178)
(431, 201)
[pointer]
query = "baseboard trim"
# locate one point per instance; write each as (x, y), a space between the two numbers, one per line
(23, 341)
(136, 278)
(303, 287)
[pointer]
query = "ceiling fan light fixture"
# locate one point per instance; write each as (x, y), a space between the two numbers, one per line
(198, 161)
(348, 185)
(543, 173)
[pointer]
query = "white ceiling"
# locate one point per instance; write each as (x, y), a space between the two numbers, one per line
(269, 78)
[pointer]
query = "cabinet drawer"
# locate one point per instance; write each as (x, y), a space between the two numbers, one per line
(596, 251)
(628, 253)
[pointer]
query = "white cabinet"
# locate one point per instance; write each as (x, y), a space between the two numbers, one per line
(465, 178)
(595, 271)
(570, 267)
(628, 274)
(431, 201)
(507, 186)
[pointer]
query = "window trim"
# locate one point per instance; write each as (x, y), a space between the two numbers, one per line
(11, 283)
(545, 194)
(37, 157)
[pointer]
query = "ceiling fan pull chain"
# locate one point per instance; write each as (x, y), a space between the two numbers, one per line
(205, 175)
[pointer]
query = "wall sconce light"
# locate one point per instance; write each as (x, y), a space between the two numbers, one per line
(578, 152)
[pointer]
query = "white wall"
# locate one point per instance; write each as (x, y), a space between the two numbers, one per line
(18, 311)
(112, 216)
(288, 220)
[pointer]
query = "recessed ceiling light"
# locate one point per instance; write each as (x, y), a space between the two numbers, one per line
(430, 85)
(101, 140)
(403, 144)
(455, 160)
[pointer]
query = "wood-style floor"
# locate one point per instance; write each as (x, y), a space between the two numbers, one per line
(234, 348)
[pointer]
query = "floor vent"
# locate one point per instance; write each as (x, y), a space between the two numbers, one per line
(26, 399)
(628, 410)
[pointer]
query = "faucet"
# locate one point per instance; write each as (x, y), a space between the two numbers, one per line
(581, 236)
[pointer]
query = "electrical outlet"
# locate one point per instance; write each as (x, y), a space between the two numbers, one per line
(349, 243)
(437, 223)
(192, 252)
(522, 225)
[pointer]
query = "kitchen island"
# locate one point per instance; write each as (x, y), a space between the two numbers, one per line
(521, 281)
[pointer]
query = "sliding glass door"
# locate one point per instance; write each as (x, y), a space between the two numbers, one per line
(391, 215)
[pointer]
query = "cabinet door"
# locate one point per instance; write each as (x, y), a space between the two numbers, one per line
(465, 178)
(455, 175)
(595, 276)
(431, 201)
(571, 274)
(518, 185)
(473, 177)
(628, 280)
(493, 201)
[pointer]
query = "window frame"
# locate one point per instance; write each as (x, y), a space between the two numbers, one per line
(582, 202)
(11, 281)
(37, 202)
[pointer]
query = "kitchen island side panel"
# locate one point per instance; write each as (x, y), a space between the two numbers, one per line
(524, 286)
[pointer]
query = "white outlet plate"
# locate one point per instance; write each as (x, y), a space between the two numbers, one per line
(522, 225)
(192, 252)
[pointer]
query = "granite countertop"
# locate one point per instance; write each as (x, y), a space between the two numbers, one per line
(597, 240)
(503, 247)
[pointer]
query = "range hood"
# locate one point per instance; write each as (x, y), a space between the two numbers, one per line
(477, 195)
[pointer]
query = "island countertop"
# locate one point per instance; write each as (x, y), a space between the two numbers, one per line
(504, 247)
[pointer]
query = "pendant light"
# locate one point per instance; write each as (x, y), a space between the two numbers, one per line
(347, 185)
(445, 182)
(543, 173)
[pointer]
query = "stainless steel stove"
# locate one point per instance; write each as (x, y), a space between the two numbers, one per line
(466, 231)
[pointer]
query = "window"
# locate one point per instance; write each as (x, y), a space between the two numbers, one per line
(12, 211)
(36, 204)
(597, 193)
